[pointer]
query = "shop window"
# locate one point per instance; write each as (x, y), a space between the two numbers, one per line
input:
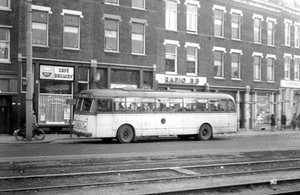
(101, 81)
(124, 78)
(148, 80)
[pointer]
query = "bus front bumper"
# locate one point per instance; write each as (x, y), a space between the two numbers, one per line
(81, 133)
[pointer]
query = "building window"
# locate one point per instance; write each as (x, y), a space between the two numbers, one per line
(287, 32)
(40, 20)
(191, 60)
(271, 32)
(71, 29)
(191, 18)
(140, 4)
(116, 2)
(297, 35)
(111, 27)
(236, 24)
(83, 79)
(270, 68)
(171, 56)
(4, 4)
(257, 28)
(171, 15)
(287, 66)
(138, 38)
(4, 45)
(236, 65)
(219, 21)
(257, 68)
(219, 63)
(297, 68)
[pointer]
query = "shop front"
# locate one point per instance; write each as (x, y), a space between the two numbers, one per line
(55, 87)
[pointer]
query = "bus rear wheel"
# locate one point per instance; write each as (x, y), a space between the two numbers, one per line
(125, 134)
(205, 132)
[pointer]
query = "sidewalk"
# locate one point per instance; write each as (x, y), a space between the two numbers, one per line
(65, 138)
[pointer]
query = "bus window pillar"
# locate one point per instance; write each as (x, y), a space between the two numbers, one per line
(154, 84)
(254, 111)
(247, 108)
(93, 73)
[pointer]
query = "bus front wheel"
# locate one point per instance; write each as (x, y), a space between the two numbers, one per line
(125, 134)
(205, 132)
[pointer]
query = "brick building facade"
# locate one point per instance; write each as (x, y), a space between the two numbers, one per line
(248, 49)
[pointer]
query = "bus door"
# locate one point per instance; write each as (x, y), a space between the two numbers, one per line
(104, 117)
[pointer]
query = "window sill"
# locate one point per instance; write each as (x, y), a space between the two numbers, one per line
(108, 51)
(219, 37)
(5, 62)
(233, 39)
(271, 82)
(138, 8)
(191, 33)
(106, 3)
(42, 46)
(219, 78)
(191, 74)
(137, 54)
(5, 9)
(71, 49)
(236, 79)
(257, 81)
(172, 30)
(171, 73)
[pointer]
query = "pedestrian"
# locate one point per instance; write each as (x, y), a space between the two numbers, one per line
(273, 122)
(283, 121)
(294, 121)
(298, 121)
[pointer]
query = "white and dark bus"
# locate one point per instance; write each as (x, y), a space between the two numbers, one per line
(127, 114)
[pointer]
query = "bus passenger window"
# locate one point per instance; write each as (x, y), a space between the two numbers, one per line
(189, 104)
(133, 104)
(214, 105)
(104, 105)
(162, 104)
(231, 106)
(148, 104)
(119, 104)
(202, 105)
(223, 105)
(176, 105)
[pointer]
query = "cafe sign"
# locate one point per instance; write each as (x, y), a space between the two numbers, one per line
(176, 79)
(57, 73)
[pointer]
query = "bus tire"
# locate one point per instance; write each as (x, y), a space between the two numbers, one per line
(205, 133)
(125, 134)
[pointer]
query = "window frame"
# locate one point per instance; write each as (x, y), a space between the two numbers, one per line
(257, 35)
(175, 54)
(218, 20)
(136, 7)
(192, 15)
(8, 8)
(240, 15)
(271, 67)
(111, 3)
(287, 66)
(48, 11)
(117, 19)
(140, 22)
(195, 46)
(7, 42)
(75, 14)
(239, 53)
(271, 31)
(222, 51)
(297, 34)
(296, 67)
(257, 67)
(171, 15)
(287, 32)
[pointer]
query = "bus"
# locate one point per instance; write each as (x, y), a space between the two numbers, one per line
(128, 114)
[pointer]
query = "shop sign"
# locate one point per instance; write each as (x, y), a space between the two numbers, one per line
(175, 79)
(57, 73)
(290, 84)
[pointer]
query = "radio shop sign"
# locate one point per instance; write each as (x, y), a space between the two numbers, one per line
(57, 73)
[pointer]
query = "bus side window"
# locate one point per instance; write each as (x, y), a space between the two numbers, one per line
(231, 106)
(189, 104)
(223, 105)
(176, 105)
(214, 105)
(148, 105)
(202, 105)
(104, 105)
(119, 104)
(162, 104)
(133, 104)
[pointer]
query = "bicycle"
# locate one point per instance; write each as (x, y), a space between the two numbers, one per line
(37, 133)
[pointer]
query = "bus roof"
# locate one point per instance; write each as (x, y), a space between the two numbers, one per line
(109, 93)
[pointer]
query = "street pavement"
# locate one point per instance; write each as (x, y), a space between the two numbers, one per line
(66, 138)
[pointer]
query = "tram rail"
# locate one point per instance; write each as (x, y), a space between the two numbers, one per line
(165, 175)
